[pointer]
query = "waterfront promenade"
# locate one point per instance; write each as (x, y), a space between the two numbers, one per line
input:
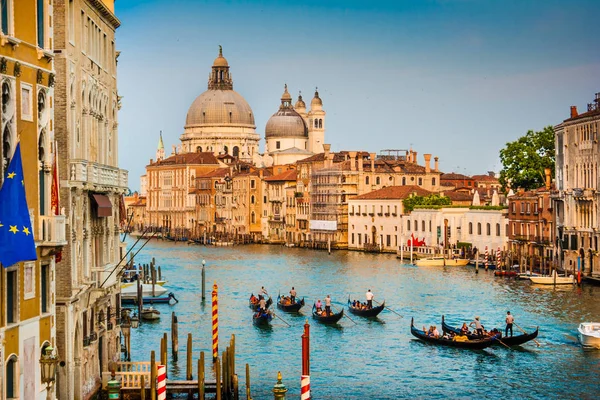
(377, 359)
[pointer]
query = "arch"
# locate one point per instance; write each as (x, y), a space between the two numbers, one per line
(479, 228)
(488, 229)
(225, 150)
(199, 149)
(366, 180)
(377, 180)
(320, 123)
(12, 377)
(497, 229)
(403, 181)
(470, 228)
(236, 151)
(252, 218)
(316, 123)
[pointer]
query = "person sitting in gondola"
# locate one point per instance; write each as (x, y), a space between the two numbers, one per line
(354, 304)
(464, 329)
(263, 304)
(435, 333)
(318, 306)
(253, 299)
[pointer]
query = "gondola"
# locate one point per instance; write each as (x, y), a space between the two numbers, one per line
(254, 306)
(371, 312)
(327, 319)
(477, 344)
(289, 307)
(262, 318)
(505, 273)
(507, 340)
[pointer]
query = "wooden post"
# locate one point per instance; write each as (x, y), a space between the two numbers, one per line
(152, 376)
(159, 274)
(477, 261)
(203, 282)
(248, 394)
(153, 277)
(218, 377)
(189, 357)
(163, 356)
(143, 388)
(225, 373)
(174, 337)
(201, 376)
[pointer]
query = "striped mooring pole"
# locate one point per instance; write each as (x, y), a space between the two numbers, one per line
(215, 323)
(305, 379)
(498, 258)
(161, 382)
(486, 258)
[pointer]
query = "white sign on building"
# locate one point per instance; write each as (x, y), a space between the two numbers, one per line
(318, 225)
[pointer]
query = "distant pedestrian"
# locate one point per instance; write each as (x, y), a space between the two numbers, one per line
(510, 320)
(477, 325)
(327, 305)
(369, 297)
(293, 295)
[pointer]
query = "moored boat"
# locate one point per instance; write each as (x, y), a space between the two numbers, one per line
(474, 344)
(150, 313)
(507, 340)
(441, 261)
(589, 334)
(285, 304)
(366, 312)
(527, 275)
(554, 279)
(327, 319)
(131, 291)
(501, 272)
(150, 299)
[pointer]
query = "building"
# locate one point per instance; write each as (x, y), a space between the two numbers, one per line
(276, 188)
(92, 185)
(577, 195)
(375, 218)
(456, 180)
(27, 289)
(220, 120)
(137, 216)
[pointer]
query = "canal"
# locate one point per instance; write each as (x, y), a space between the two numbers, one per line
(375, 359)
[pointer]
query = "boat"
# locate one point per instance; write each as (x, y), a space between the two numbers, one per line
(150, 313)
(131, 291)
(589, 334)
(474, 344)
(441, 261)
(554, 279)
(367, 312)
(501, 272)
(491, 265)
(527, 275)
(262, 318)
(150, 299)
(254, 305)
(507, 340)
(284, 303)
(327, 319)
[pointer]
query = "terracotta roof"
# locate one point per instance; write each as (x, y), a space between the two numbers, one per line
(591, 113)
(453, 176)
(189, 158)
(289, 175)
(393, 193)
(484, 178)
(216, 173)
(337, 157)
(458, 195)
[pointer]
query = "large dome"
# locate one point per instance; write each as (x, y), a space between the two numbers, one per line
(286, 123)
(220, 107)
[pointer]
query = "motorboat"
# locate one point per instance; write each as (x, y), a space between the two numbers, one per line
(553, 279)
(527, 275)
(131, 291)
(150, 313)
(440, 262)
(589, 334)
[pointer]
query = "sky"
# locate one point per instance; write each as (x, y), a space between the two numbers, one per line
(457, 79)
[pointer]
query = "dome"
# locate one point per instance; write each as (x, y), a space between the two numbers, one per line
(286, 123)
(220, 107)
(300, 103)
(220, 61)
(316, 101)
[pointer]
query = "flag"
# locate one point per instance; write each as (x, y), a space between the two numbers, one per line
(16, 235)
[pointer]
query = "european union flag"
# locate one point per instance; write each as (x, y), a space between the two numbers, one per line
(16, 235)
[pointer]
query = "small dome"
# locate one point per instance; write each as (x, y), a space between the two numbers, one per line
(300, 103)
(220, 61)
(286, 96)
(316, 101)
(286, 123)
(220, 107)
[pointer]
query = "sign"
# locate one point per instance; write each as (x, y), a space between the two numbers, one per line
(439, 231)
(319, 225)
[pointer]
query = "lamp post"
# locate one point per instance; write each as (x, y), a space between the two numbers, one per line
(126, 329)
(48, 362)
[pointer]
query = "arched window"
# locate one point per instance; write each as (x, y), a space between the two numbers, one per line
(316, 123)
(470, 228)
(253, 218)
(320, 123)
(42, 173)
(403, 181)
(366, 180)
(408, 225)
(497, 229)
(225, 150)
(423, 225)
(479, 228)
(488, 229)
(12, 375)
(377, 181)
(199, 149)
(236, 151)
(416, 226)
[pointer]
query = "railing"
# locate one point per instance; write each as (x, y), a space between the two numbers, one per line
(130, 374)
(91, 172)
(52, 230)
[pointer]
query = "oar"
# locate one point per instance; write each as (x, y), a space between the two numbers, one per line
(348, 317)
(389, 309)
(281, 319)
(503, 344)
(536, 342)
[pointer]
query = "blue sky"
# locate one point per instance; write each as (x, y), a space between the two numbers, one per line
(457, 79)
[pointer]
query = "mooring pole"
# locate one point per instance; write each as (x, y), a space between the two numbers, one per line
(189, 357)
(477, 261)
(218, 377)
(143, 388)
(203, 281)
(201, 376)
(305, 378)
(152, 375)
(248, 395)
(174, 337)
(165, 350)
(215, 323)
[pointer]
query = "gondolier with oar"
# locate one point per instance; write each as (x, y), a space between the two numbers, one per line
(327, 305)
(369, 295)
(293, 295)
(477, 325)
(510, 320)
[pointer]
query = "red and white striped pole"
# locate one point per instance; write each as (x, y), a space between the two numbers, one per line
(498, 258)
(161, 382)
(486, 258)
(305, 379)
(215, 323)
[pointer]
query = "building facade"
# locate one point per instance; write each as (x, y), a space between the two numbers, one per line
(577, 195)
(27, 289)
(92, 185)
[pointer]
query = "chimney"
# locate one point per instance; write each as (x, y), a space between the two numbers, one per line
(326, 148)
(352, 160)
(436, 163)
(260, 173)
(574, 111)
(372, 156)
(360, 160)
(548, 178)
(427, 158)
(414, 157)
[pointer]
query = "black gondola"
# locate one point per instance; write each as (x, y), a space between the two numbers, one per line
(255, 306)
(367, 312)
(290, 307)
(507, 340)
(327, 319)
(477, 344)
(262, 318)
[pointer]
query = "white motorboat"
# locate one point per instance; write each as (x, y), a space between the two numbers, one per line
(440, 261)
(589, 334)
(553, 279)
(150, 313)
(131, 291)
(527, 275)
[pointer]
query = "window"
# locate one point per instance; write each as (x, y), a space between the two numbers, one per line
(28, 280)
(353, 238)
(12, 297)
(433, 181)
(236, 151)
(252, 184)
(6, 9)
(26, 102)
(359, 239)
(367, 180)
(513, 208)
(12, 383)
(388, 240)
(265, 199)
(40, 24)
(479, 228)
(416, 226)
(420, 181)
(423, 225)
(470, 228)
(488, 229)
(253, 218)
(71, 17)
(514, 228)
(528, 208)
(252, 199)
(377, 181)
(408, 225)
(278, 144)
(403, 181)
(497, 229)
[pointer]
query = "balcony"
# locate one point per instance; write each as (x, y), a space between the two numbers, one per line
(94, 173)
(583, 194)
(51, 231)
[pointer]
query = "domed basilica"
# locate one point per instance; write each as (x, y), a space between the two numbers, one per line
(221, 121)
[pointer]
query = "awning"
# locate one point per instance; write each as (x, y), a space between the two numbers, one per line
(104, 206)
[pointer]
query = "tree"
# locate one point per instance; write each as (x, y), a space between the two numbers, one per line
(524, 160)
(431, 200)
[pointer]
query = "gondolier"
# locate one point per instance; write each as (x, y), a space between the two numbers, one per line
(369, 295)
(262, 303)
(509, 324)
(293, 295)
(327, 305)
(478, 327)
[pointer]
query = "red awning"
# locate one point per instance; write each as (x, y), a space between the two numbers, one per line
(104, 206)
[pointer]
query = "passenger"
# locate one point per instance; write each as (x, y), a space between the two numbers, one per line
(262, 304)
(318, 305)
(464, 329)
(436, 333)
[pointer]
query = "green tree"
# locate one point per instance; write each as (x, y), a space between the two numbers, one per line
(524, 160)
(431, 200)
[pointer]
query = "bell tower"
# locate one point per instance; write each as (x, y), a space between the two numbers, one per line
(160, 150)
(316, 124)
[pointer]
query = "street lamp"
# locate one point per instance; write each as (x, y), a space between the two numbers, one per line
(48, 363)
(126, 329)
(135, 321)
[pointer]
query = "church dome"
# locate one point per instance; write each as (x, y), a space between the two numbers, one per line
(316, 101)
(300, 104)
(220, 107)
(286, 122)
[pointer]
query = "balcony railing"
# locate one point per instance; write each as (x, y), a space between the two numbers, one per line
(52, 230)
(91, 172)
